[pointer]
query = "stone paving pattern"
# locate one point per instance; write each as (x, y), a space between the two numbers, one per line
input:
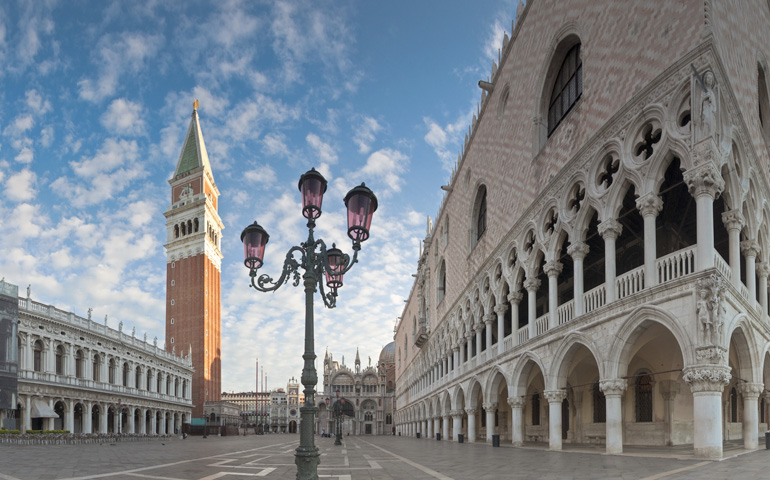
(369, 458)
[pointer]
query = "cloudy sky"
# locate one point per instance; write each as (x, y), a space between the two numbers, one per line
(95, 99)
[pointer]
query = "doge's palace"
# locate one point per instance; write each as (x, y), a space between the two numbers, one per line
(597, 270)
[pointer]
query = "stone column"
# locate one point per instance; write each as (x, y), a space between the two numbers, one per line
(515, 298)
(130, 427)
(489, 411)
(531, 285)
(69, 416)
(751, 392)
(734, 222)
(649, 207)
(553, 269)
(763, 270)
(610, 230)
(479, 333)
(471, 424)
(613, 393)
(704, 183)
(455, 358)
(578, 251)
(707, 383)
(488, 319)
(437, 426)
(87, 412)
(27, 415)
(457, 423)
(750, 249)
(103, 420)
(555, 398)
(517, 420)
(500, 312)
(429, 427)
(70, 367)
(153, 422)
(445, 427)
(669, 389)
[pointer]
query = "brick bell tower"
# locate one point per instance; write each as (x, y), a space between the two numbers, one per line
(193, 265)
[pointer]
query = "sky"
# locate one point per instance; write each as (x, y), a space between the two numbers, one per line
(95, 100)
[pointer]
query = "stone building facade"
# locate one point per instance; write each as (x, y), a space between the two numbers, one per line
(597, 271)
(80, 375)
(193, 266)
(370, 391)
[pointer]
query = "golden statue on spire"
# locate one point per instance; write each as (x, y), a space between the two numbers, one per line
(195, 105)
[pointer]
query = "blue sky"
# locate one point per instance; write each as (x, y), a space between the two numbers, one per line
(95, 101)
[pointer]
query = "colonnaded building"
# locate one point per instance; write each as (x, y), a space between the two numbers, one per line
(597, 271)
(80, 375)
(370, 392)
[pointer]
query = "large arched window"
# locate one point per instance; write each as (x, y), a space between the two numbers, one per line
(763, 103)
(643, 391)
(138, 378)
(126, 371)
(441, 287)
(479, 215)
(79, 364)
(111, 371)
(96, 368)
(567, 88)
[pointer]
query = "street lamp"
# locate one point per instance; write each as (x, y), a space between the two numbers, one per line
(317, 262)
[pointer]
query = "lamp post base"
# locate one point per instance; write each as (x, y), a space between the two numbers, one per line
(307, 456)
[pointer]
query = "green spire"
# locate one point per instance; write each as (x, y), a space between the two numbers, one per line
(194, 153)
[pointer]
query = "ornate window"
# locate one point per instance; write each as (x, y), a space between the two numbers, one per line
(59, 360)
(599, 404)
(96, 364)
(125, 374)
(643, 391)
(567, 88)
(479, 225)
(176, 231)
(138, 378)
(441, 290)
(763, 103)
(111, 371)
(37, 356)
(535, 408)
(79, 364)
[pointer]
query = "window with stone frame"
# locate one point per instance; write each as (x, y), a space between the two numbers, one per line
(59, 360)
(37, 356)
(479, 221)
(763, 103)
(441, 290)
(567, 88)
(96, 364)
(79, 364)
(643, 394)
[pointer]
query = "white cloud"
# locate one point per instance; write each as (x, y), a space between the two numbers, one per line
(441, 138)
(386, 165)
(46, 136)
(364, 133)
(275, 144)
(36, 103)
(494, 43)
(113, 153)
(116, 55)
(246, 118)
(123, 117)
(26, 155)
(322, 150)
(262, 174)
(20, 186)
(20, 124)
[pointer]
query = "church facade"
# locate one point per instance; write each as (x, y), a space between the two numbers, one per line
(597, 271)
(369, 391)
(193, 267)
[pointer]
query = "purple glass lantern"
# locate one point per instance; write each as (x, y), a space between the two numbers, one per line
(336, 264)
(361, 204)
(254, 239)
(312, 185)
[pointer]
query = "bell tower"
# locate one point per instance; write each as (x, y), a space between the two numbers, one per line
(193, 266)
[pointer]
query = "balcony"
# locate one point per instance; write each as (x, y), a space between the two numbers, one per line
(420, 337)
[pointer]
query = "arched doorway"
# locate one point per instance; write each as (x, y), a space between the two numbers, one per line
(111, 427)
(292, 426)
(77, 426)
(58, 422)
(95, 419)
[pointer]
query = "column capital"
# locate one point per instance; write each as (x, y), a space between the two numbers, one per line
(750, 248)
(515, 297)
(555, 396)
(704, 179)
(610, 229)
(516, 402)
(471, 411)
(531, 284)
(456, 413)
(751, 390)
(553, 268)
(707, 378)
(578, 250)
(490, 407)
(649, 205)
(613, 386)
(733, 220)
(489, 318)
(501, 309)
(763, 269)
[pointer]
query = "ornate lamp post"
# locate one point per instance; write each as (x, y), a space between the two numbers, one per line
(317, 261)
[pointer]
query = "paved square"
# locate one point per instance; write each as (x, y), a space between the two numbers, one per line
(370, 458)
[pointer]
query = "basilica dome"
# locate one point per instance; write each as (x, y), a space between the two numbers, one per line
(388, 353)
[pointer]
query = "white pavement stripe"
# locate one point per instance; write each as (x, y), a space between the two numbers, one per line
(339, 477)
(227, 474)
(674, 472)
(153, 476)
(7, 477)
(416, 465)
